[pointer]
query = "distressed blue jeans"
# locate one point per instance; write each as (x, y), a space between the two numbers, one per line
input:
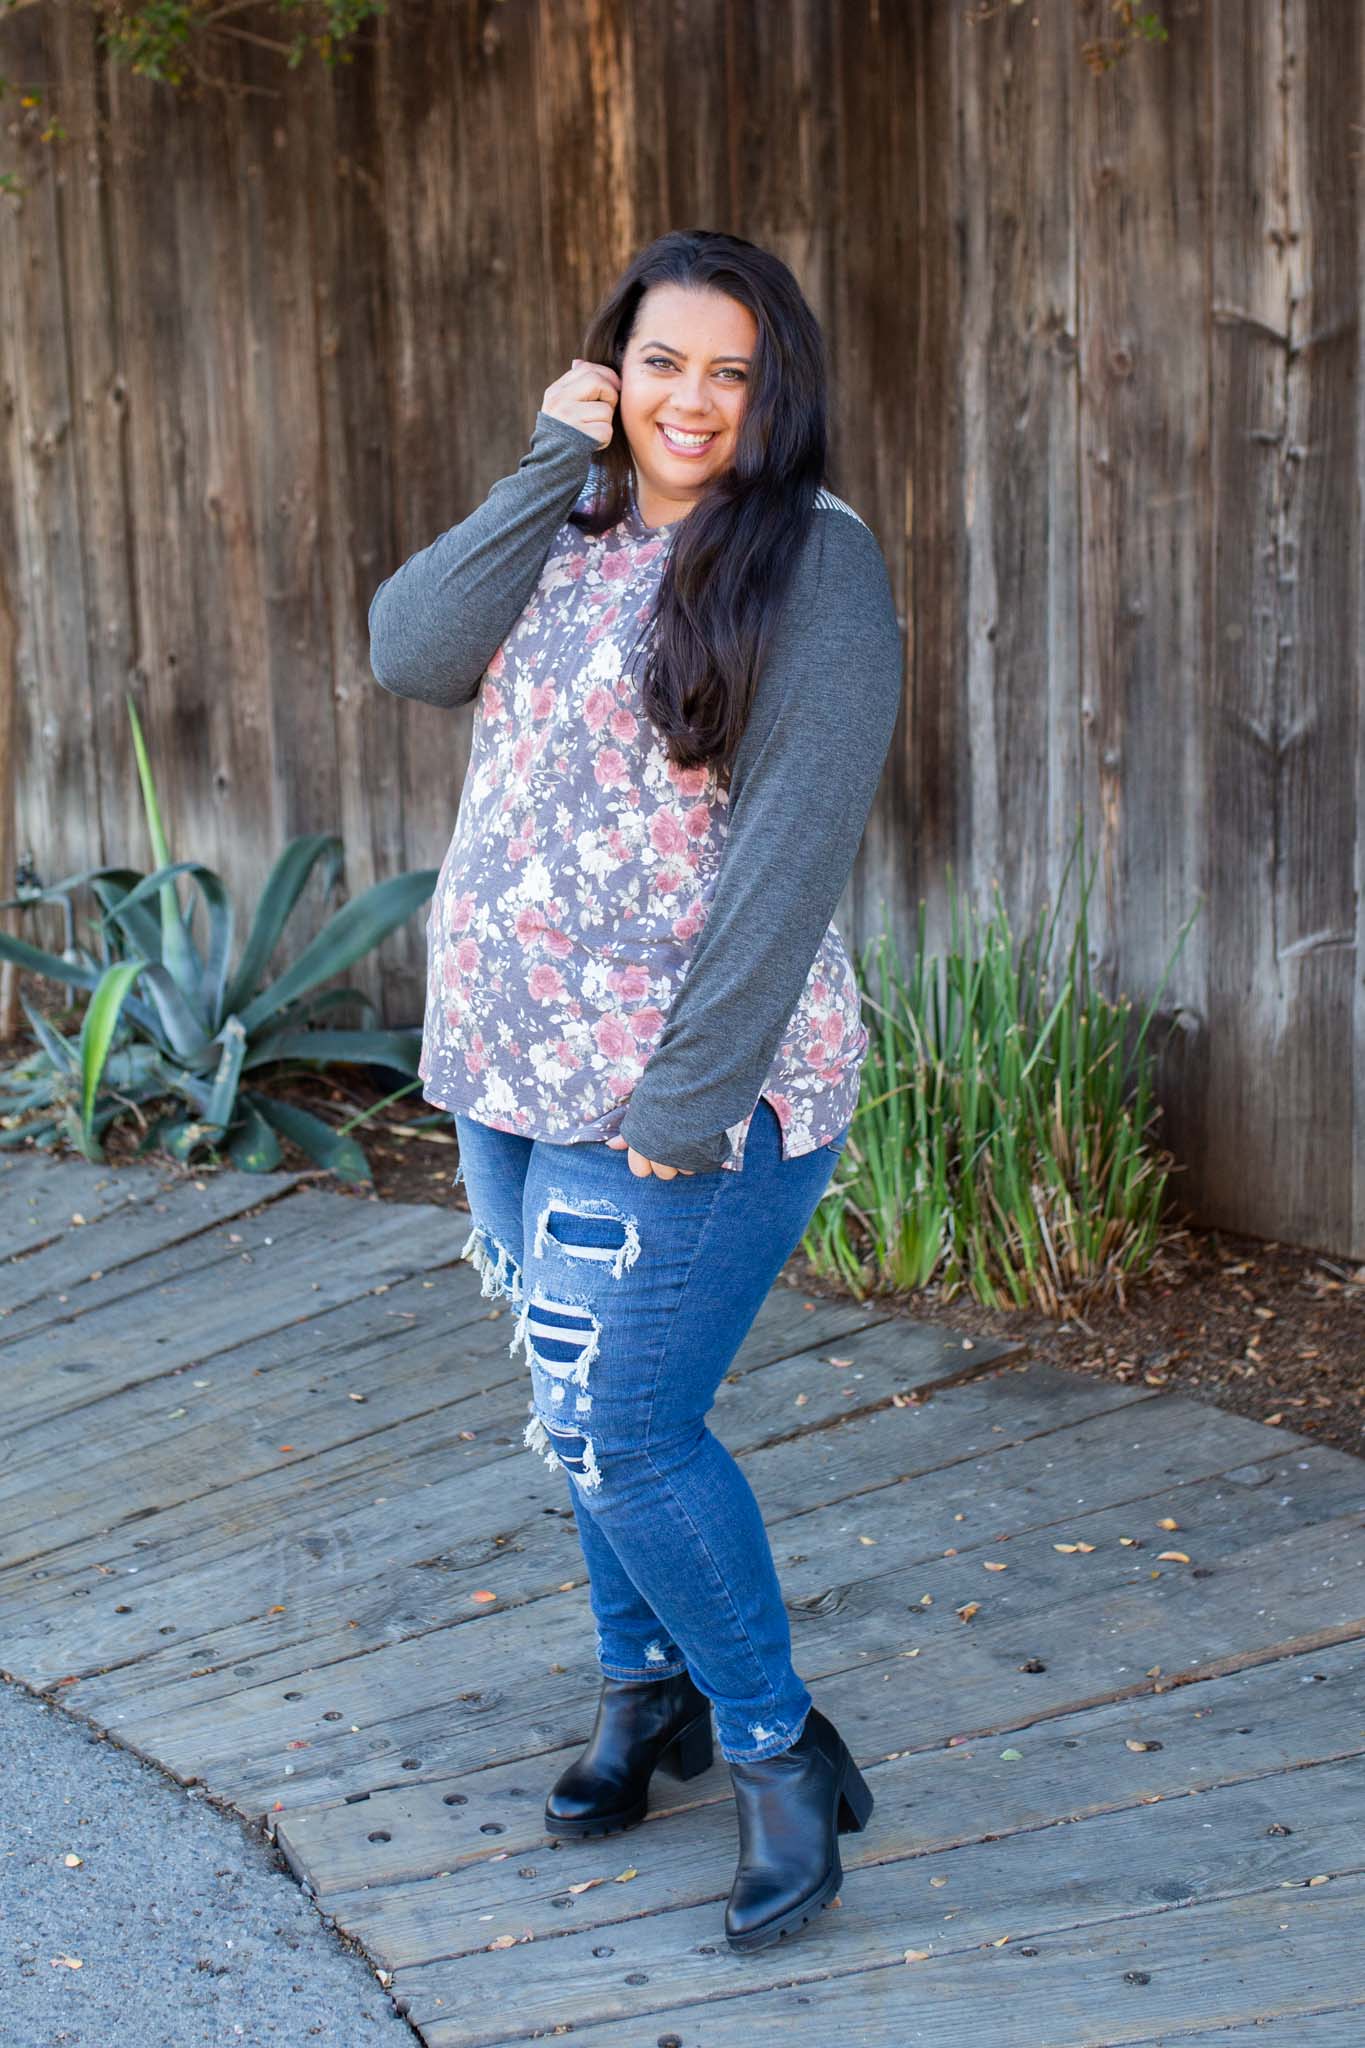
(634, 1294)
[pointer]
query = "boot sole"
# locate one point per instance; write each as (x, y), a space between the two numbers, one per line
(686, 1755)
(793, 1919)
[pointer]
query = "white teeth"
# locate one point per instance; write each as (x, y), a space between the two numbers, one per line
(686, 440)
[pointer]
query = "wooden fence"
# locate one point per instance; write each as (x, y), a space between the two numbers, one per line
(1096, 375)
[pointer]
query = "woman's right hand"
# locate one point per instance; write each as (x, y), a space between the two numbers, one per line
(585, 396)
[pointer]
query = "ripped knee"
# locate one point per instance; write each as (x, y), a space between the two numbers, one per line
(589, 1229)
(562, 1444)
(562, 1339)
(562, 1335)
(500, 1274)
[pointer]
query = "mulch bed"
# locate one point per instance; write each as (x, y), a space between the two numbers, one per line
(1272, 1331)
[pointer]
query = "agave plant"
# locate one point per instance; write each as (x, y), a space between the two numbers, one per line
(165, 1018)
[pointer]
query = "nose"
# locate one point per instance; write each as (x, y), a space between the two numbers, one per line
(689, 394)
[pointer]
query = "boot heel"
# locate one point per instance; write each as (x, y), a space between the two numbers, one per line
(690, 1752)
(855, 1800)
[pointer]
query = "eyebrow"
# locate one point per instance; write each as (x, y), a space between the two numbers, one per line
(680, 352)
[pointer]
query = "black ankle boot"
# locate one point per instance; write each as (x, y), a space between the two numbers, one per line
(792, 1808)
(640, 1722)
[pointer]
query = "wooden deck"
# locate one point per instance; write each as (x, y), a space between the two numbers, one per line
(259, 1469)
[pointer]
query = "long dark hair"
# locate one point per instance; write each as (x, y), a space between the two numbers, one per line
(732, 555)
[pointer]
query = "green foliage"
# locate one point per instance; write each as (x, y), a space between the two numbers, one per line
(168, 39)
(167, 1019)
(178, 42)
(1001, 1139)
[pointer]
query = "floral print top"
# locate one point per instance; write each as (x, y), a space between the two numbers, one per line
(578, 877)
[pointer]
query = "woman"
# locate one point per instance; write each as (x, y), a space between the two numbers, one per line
(688, 669)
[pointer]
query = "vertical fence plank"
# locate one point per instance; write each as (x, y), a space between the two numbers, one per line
(1096, 365)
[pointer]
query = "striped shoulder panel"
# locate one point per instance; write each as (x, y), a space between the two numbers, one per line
(825, 501)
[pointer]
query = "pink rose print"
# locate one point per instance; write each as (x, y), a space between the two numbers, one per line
(616, 566)
(597, 709)
(687, 781)
(490, 703)
(624, 725)
(667, 833)
(629, 984)
(543, 700)
(610, 769)
(544, 982)
(498, 665)
(611, 1035)
(461, 911)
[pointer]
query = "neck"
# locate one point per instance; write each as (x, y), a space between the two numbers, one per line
(657, 510)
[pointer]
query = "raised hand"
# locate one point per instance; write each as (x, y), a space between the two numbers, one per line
(585, 396)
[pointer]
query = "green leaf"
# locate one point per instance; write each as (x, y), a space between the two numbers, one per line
(37, 961)
(357, 927)
(177, 949)
(225, 1080)
(341, 1156)
(98, 1027)
(59, 1050)
(284, 886)
(253, 1145)
(400, 1049)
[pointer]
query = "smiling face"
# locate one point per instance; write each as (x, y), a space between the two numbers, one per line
(687, 366)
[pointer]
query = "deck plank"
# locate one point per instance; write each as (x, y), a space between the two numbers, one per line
(1293, 1591)
(145, 1221)
(1227, 1963)
(296, 1569)
(72, 1622)
(1137, 1863)
(1263, 1724)
(337, 1604)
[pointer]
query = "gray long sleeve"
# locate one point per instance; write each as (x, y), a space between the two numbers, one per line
(437, 622)
(805, 775)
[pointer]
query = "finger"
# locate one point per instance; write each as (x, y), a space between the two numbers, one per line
(602, 372)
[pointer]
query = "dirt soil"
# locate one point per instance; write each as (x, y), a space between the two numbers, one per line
(1268, 1330)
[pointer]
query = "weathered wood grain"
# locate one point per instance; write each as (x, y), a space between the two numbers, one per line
(413, 1877)
(1142, 1862)
(269, 1588)
(153, 1216)
(192, 1303)
(190, 1570)
(526, 1667)
(1120, 1982)
(1094, 347)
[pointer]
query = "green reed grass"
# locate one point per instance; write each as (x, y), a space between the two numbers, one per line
(1003, 1137)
